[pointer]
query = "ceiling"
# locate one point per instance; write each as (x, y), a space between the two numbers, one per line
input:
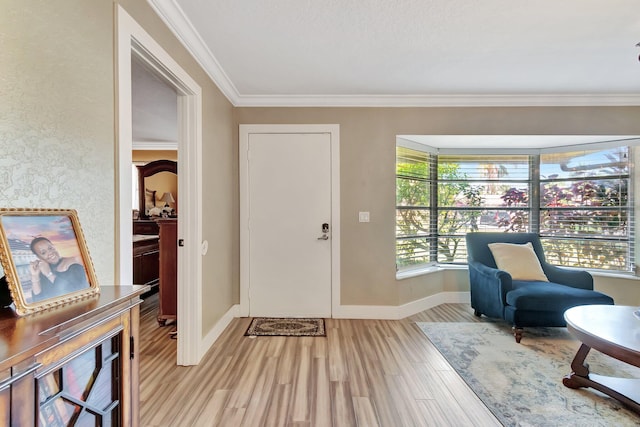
(414, 52)
(154, 109)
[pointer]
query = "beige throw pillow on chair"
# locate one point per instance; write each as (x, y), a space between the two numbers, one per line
(520, 261)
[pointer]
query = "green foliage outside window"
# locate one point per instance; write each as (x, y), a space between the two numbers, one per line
(583, 206)
(413, 201)
(584, 209)
(413, 193)
(455, 191)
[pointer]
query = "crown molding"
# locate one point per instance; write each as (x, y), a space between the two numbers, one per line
(175, 18)
(518, 100)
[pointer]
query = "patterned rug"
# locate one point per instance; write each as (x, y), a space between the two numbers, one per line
(522, 383)
(289, 327)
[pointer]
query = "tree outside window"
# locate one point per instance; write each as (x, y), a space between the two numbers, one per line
(583, 199)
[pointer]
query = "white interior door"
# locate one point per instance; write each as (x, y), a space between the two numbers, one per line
(289, 200)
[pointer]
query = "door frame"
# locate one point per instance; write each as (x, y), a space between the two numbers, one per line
(245, 130)
(134, 40)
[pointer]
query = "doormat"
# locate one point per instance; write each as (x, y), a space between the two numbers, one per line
(286, 327)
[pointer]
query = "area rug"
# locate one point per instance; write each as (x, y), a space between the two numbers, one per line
(289, 327)
(522, 383)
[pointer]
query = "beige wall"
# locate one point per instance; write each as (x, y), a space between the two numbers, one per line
(623, 291)
(150, 155)
(367, 138)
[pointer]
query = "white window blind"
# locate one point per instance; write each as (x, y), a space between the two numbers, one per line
(585, 209)
(414, 181)
(579, 201)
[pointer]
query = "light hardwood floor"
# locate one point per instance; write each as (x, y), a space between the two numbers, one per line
(364, 373)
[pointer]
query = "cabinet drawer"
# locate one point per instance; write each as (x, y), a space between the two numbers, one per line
(145, 227)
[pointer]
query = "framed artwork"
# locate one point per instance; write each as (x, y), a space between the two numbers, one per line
(45, 258)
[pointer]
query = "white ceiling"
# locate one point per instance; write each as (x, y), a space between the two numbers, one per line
(154, 109)
(414, 52)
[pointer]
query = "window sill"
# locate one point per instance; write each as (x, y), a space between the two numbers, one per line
(414, 272)
(626, 276)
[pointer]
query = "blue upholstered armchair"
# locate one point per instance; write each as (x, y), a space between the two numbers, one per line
(524, 303)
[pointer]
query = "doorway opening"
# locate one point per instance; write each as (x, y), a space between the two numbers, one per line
(134, 41)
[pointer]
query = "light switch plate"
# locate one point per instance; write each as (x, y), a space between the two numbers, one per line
(363, 216)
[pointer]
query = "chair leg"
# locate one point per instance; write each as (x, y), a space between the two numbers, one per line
(517, 333)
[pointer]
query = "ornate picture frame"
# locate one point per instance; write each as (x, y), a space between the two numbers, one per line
(45, 258)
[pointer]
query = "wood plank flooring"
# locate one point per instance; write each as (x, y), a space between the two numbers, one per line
(365, 373)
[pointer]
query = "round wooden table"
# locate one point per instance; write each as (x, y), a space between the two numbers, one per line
(614, 331)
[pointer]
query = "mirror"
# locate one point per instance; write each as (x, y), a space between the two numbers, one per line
(155, 180)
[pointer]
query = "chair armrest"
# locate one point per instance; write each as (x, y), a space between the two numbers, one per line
(492, 283)
(491, 273)
(564, 276)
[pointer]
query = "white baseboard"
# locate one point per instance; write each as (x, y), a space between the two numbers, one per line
(217, 330)
(388, 312)
(385, 312)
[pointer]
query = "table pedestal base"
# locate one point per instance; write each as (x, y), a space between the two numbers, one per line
(626, 390)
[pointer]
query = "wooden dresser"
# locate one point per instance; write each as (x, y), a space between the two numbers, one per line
(146, 260)
(168, 285)
(145, 226)
(73, 365)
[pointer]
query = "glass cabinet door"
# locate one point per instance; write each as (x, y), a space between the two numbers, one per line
(85, 391)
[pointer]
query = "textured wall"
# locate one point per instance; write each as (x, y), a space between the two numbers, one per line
(57, 114)
(57, 131)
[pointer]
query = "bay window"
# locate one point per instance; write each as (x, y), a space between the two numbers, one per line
(477, 193)
(579, 201)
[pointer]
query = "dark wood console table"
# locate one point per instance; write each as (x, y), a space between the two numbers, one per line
(76, 364)
(614, 331)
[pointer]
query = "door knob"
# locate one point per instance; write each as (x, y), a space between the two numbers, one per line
(325, 230)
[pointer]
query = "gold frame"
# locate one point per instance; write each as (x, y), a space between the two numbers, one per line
(60, 228)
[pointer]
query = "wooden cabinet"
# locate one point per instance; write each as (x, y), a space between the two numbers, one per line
(6, 381)
(17, 395)
(168, 285)
(146, 260)
(73, 365)
(155, 262)
(145, 226)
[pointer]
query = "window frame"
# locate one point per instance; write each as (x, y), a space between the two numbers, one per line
(534, 207)
(432, 186)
